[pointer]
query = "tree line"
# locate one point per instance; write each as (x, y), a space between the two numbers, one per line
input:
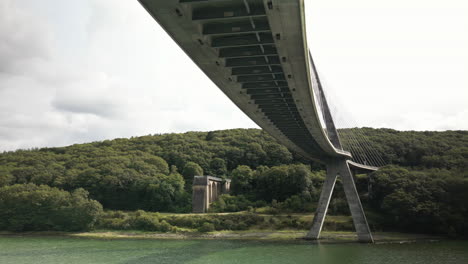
(424, 189)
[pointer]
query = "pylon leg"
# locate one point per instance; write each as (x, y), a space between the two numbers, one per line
(334, 168)
(354, 203)
(324, 201)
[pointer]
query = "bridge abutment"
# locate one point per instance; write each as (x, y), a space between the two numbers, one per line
(207, 189)
(335, 168)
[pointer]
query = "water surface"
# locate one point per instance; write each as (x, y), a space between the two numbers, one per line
(78, 250)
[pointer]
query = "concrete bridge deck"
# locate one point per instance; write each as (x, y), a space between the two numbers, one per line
(257, 54)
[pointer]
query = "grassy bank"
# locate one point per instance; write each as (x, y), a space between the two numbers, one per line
(327, 236)
(203, 223)
(260, 235)
(239, 225)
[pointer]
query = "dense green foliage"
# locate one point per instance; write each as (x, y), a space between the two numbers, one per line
(131, 180)
(26, 207)
(426, 149)
(229, 203)
(142, 173)
(140, 220)
(146, 221)
(191, 169)
(433, 201)
(276, 183)
(427, 193)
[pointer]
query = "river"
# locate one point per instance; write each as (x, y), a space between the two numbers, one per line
(68, 250)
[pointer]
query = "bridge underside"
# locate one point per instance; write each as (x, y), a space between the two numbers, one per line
(256, 52)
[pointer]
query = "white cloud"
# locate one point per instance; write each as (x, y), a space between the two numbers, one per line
(112, 73)
(20, 40)
(400, 64)
(95, 69)
(91, 96)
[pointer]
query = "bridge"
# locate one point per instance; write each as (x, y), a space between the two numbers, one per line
(207, 189)
(256, 52)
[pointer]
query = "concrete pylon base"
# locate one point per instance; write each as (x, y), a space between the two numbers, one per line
(335, 168)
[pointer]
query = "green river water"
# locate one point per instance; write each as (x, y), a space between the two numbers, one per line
(78, 250)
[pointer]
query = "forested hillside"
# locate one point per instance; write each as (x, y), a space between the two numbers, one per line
(146, 172)
(425, 189)
(427, 149)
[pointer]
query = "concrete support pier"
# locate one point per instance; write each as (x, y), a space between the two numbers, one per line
(335, 168)
(207, 189)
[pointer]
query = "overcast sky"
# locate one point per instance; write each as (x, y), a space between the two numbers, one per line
(87, 70)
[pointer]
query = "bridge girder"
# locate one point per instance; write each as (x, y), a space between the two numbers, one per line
(256, 52)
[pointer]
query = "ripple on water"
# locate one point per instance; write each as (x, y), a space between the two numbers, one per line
(75, 250)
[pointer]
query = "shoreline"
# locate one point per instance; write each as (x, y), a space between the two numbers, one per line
(253, 235)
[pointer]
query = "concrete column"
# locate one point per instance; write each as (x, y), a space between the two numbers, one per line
(208, 196)
(215, 191)
(324, 201)
(212, 192)
(334, 168)
(225, 186)
(354, 203)
(199, 198)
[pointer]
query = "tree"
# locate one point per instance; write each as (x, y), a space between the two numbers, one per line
(218, 167)
(417, 201)
(159, 163)
(254, 154)
(5, 177)
(82, 213)
(190, 170)
(26, 207)
(277, 154)
(130, 174)
(241, 180)
(281, 182)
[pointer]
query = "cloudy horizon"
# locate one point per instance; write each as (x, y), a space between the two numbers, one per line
(81, 71)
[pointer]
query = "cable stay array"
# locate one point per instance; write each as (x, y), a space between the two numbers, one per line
(351, 137)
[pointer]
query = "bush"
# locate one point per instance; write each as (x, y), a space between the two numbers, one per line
(166, 227)
(229, 203)
(140, 220)
(206, 227)
(28, 207)
(268, 210)
(298, 203)
(145, 222)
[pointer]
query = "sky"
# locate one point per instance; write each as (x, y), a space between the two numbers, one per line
(80, 71)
